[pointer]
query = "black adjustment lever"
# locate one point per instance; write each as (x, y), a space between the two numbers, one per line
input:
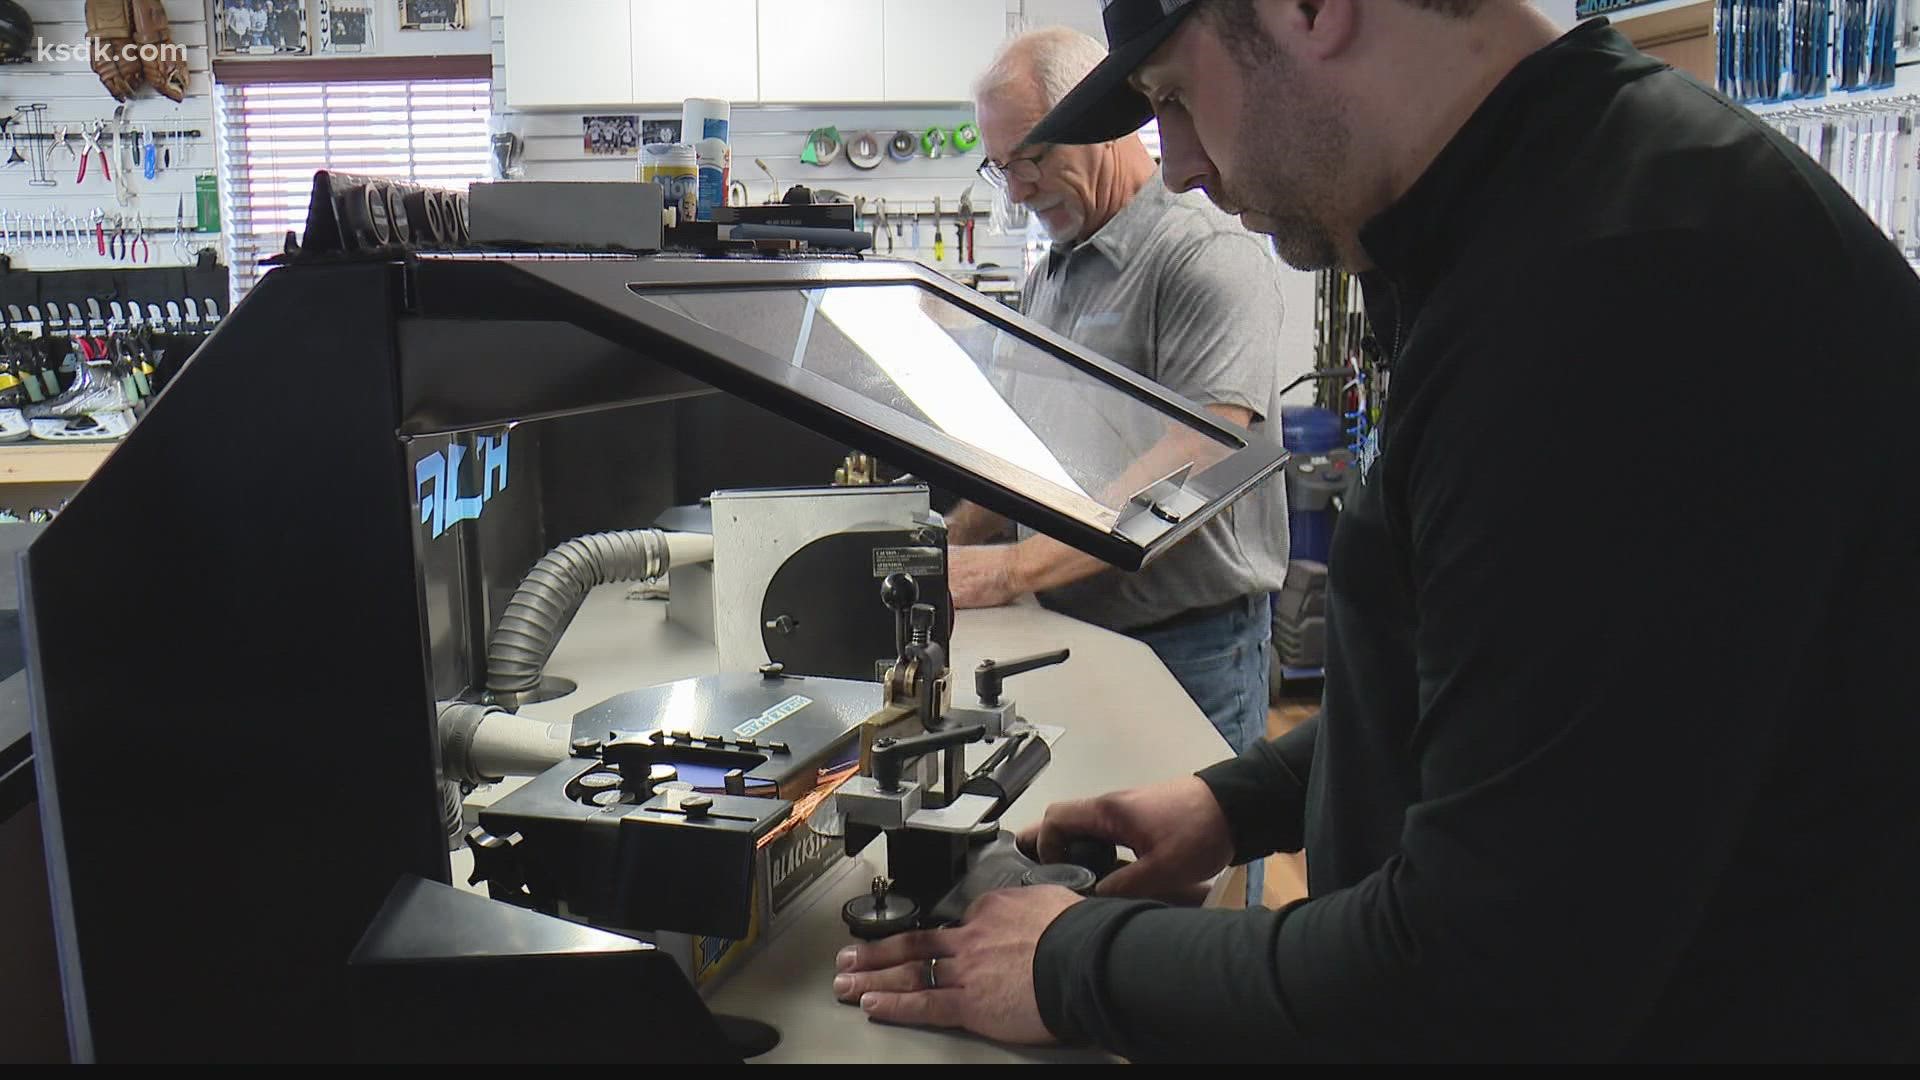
(890, 756)
(991, 673)
(921, 619)
(900, 592)
(496, 862)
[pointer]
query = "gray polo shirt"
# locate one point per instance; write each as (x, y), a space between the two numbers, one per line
(1179, 292)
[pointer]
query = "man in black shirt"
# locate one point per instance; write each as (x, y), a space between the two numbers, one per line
(1615, 755)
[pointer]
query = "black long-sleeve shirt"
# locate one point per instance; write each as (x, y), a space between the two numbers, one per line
(1622, 715)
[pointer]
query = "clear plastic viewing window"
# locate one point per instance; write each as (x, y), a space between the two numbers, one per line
(1017, 411)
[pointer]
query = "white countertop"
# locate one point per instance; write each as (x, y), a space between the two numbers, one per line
(1127, 723)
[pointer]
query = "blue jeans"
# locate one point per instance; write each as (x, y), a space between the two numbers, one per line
(1220, 659)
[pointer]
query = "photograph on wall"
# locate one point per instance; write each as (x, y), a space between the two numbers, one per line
(433, 14)
(260, 27)
(346, 26)
(610, 134)
(659, 131)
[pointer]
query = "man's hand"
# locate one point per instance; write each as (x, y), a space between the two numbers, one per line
(1176, 829)
(996, 576)
(970, 523)
(981, 577)
(977, 976)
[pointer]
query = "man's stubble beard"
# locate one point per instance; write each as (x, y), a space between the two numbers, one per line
(1291, 166)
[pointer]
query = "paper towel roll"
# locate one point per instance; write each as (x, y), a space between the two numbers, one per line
(707, 124)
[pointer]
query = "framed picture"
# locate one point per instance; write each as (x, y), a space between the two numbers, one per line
(660, 131)
(610, 134)
(346, 26)
(260, 28)
(433, 14)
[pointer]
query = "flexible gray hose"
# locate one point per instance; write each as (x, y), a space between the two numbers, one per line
(480, 744)
(552, 593)
(452, 812)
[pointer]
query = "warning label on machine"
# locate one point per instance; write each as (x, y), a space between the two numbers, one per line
(772, 716)
(920, 561)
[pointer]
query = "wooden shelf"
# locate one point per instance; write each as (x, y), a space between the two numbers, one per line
(1656, 9)
(1663, 21)
(43, 463)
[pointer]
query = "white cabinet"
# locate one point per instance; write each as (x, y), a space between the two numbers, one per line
(588, 53)
(822, 50)
(560, 55)
(706, 49)
(935, 49)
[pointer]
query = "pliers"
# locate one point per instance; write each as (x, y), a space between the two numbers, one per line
(131, 246)
(92, 144)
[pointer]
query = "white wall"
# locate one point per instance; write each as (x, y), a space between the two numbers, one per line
(1296, 333)
(1560, 11)
(390, 40)
(1082, 15)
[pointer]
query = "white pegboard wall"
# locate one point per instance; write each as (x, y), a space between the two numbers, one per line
(554, 150)
(66, 84)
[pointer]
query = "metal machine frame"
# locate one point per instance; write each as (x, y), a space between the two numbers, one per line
(443, 397)
(228, 632)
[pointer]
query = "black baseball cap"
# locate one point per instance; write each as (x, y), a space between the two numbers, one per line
(1104, 106)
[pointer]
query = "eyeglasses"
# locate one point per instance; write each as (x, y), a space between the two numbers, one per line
(1026, 169)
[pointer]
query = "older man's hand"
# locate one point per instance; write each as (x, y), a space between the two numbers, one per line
(981, 577)
(977, 976)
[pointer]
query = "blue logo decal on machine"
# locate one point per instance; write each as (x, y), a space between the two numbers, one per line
(772, 716)
(436, 482)
(711, 951)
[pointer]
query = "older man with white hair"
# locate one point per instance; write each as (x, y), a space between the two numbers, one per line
(1179, 292)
